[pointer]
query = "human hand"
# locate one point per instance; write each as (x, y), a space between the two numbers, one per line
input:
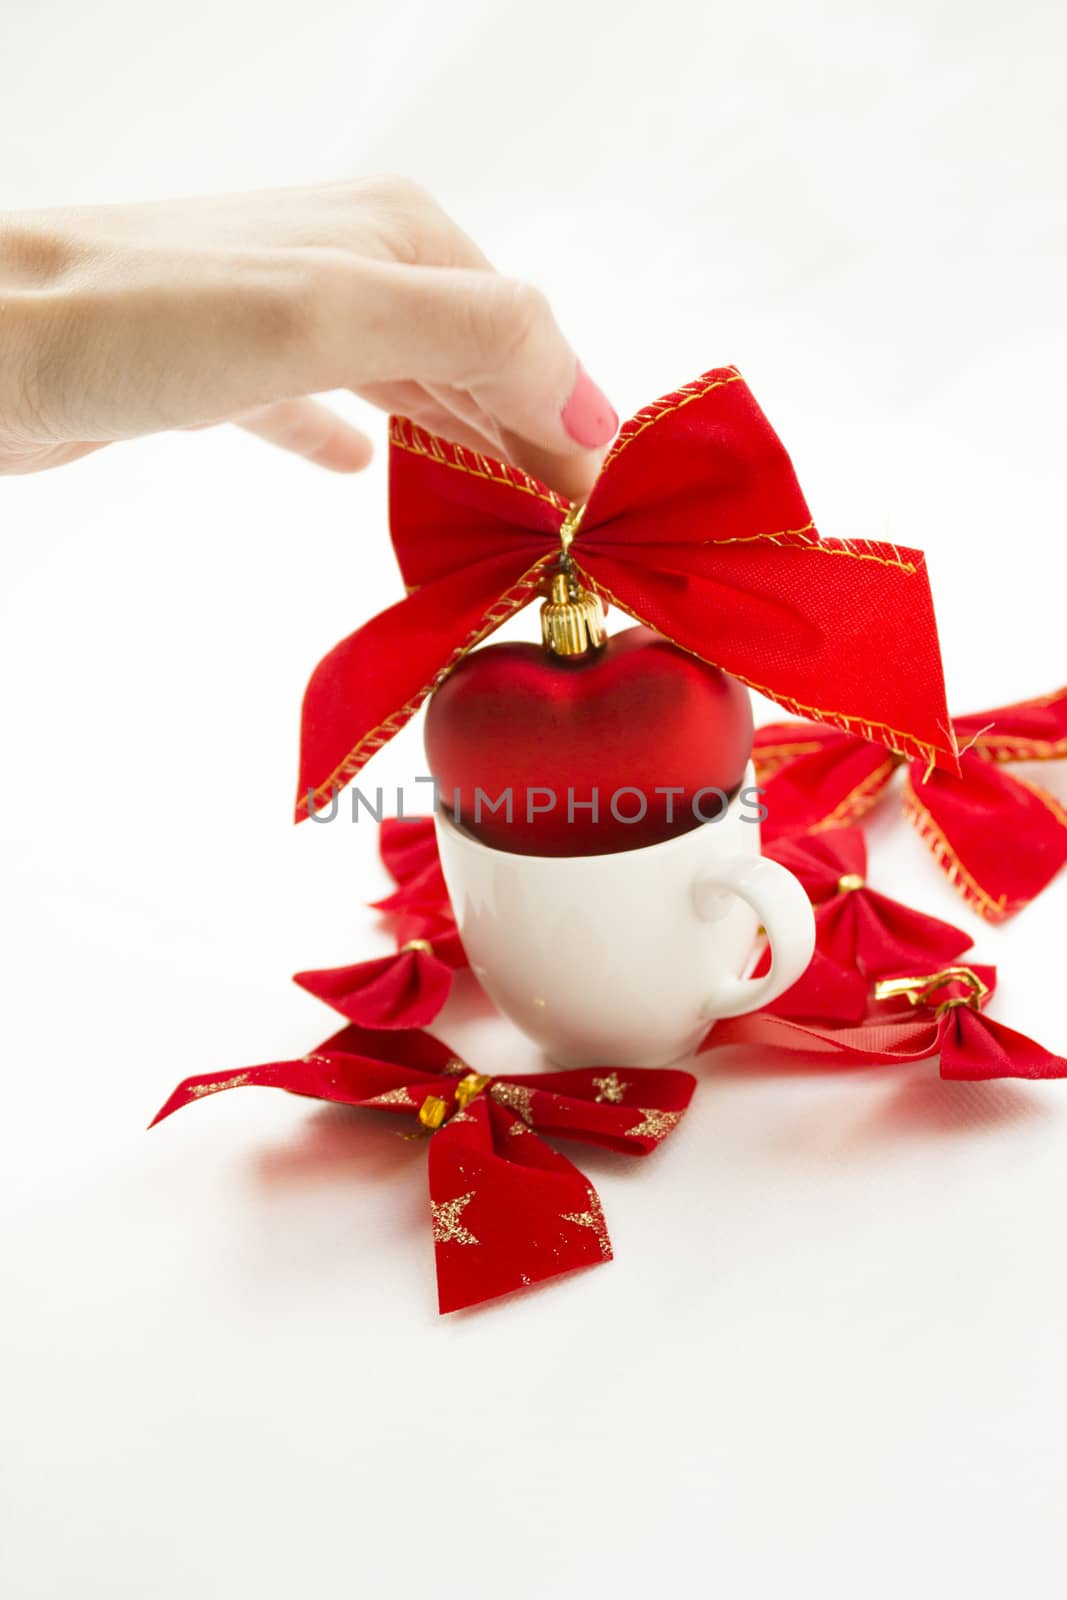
(118, 321)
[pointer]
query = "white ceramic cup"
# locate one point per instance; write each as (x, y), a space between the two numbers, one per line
(627, 959)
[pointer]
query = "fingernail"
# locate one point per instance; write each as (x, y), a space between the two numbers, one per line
(588, 416)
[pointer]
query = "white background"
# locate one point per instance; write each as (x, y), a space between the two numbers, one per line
(829, 1357)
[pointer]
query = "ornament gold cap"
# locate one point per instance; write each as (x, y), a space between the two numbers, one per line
(572, 622)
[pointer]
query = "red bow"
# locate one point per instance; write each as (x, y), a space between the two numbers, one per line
(405, 990)
(696, 526)
(408, 989)
(860, 934)
(999, 839)
(408, 847)
(946, 1020)
(507, 1209)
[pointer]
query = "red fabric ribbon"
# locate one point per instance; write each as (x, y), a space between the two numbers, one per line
(944, 1019)
(408, 848)
(507, 1209)
(408, 989)
(695, 526)
(860, 934)
(405, 990)
(1000, 839)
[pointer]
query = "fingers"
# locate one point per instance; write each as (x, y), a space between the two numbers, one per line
(312, 430)
(490, 336)
(466, 409)
(414, 400)
(410, 225)
(39, 457)
(201, 312)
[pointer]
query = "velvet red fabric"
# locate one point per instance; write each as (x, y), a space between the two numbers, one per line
(696, 526)
(948, 1022)
(408, 848)
(507, 1210)
(974, 1047)
(860, 934)
(999, 838)
(407, 989)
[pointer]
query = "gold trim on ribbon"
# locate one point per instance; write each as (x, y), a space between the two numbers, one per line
(963, 881)
(519, 595)
(408, 436)
(904, 744)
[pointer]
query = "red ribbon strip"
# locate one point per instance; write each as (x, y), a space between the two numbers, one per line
(695, 526)
(999, 839)
(946, 1020)
(508, 1210)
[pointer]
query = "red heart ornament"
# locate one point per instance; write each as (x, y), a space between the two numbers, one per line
(590, 755)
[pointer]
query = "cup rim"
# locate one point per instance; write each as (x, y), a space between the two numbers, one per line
(477, 846)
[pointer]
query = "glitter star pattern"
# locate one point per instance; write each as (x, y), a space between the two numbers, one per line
(518, 1097)
(392, 1097)
(593, 1218)
(447, 1227)
(201, 1089)
(656, 1124)
(610, 1087)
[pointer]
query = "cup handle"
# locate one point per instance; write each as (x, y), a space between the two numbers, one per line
(785, 911)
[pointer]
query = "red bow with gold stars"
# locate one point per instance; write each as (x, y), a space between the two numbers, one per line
(507, 1209)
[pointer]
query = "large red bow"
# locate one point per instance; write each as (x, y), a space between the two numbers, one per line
(696, 526)
(999, 839)
(507, 1209)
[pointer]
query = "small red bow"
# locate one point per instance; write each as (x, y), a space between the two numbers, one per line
(860, 934)
(943, 1017)
(405, 990)
(408, 847)
(999, 839)
(507, 1209)
(408, 989)
(695, 526)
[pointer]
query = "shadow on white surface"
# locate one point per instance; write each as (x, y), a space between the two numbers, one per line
(907, 1100)
(925, 1104)
(340, 1142)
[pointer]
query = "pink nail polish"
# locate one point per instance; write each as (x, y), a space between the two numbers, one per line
(588, 415)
